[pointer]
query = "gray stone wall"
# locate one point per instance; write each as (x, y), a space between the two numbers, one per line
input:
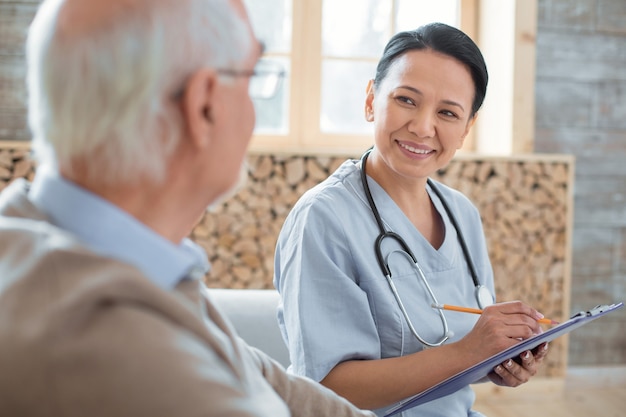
(581, 110)
(15, 17)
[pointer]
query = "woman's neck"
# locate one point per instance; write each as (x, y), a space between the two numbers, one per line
(411, 196)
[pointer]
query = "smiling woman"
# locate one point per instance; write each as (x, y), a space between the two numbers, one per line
(341, 312)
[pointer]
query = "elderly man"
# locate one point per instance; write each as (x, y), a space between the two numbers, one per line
(141, 115)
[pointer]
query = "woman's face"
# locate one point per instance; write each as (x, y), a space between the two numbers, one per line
(421, 111)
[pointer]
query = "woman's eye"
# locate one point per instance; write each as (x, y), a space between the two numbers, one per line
(405, 100)
(448, 113)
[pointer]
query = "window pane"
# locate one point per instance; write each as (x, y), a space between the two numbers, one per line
(355, 28)
(272, 22)
(413, 13)
(343, 96)
(272, 114)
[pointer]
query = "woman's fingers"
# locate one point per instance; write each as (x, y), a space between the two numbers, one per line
(541, 351)
(519, 320)
(516, 307)
(501, 326)
(513, 373)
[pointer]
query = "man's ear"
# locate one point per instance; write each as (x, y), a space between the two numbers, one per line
(198, 103)
(369, 101)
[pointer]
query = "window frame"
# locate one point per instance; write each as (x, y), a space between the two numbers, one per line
(304, 133)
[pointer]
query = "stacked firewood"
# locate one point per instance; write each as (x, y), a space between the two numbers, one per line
(15, 163)
(525, 205)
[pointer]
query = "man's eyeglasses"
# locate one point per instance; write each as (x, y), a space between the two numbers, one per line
(265, 78)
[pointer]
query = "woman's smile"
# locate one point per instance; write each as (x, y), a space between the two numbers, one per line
(415, 150)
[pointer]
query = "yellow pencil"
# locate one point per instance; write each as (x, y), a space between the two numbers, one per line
(478, 311)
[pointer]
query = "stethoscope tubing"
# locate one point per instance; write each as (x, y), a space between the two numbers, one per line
(446, 207)
(482, 294)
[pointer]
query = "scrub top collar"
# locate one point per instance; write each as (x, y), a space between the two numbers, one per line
(394, 219)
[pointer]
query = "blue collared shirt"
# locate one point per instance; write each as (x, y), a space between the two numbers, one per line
(109, 231)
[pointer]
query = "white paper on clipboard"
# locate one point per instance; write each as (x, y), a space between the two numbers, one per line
(481, 369)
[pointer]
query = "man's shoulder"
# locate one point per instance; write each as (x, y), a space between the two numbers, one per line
(101, 334)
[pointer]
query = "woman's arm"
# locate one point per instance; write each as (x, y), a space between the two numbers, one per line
(373, 384)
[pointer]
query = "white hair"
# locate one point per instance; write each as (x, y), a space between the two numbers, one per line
(107, 97)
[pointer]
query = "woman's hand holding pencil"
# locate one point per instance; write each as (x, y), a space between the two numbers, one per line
(478, 311)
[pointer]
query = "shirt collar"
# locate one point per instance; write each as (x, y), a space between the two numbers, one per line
(110, 231)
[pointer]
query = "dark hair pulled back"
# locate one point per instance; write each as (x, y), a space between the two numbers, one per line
(446, 40)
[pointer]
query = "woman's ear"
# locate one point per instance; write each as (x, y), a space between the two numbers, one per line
(369, 101)
(198, 102)
(469, 125)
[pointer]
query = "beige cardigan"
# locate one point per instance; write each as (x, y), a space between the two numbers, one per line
(86, 336)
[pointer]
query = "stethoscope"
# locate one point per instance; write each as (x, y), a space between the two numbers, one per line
(483, 295)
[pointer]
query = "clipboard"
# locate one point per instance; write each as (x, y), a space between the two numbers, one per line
(481, 369)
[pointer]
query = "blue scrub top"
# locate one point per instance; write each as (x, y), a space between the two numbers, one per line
(336, 305)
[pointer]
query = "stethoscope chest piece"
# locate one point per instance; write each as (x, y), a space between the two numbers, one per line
(483, 296)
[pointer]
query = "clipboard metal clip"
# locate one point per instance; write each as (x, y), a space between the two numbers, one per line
(599, 309)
